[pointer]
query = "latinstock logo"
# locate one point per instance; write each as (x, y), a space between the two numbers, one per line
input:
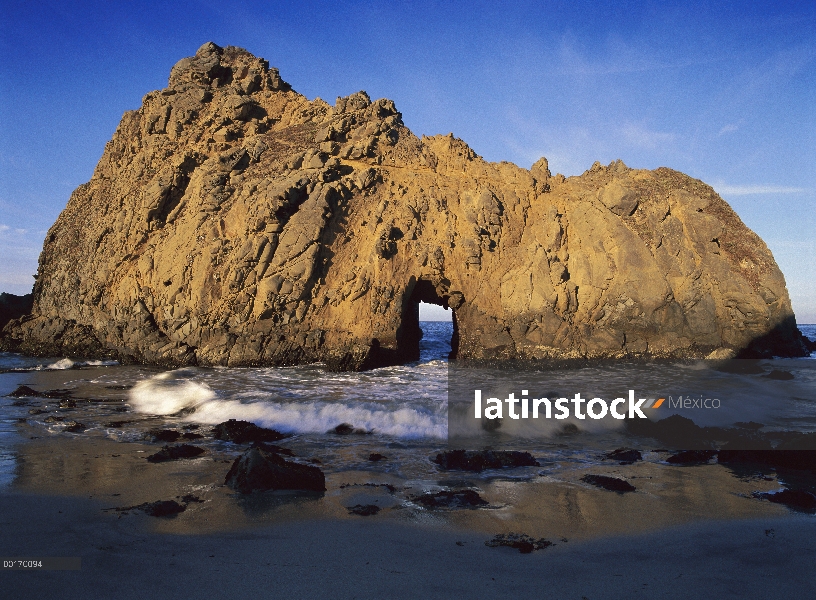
(524, 407)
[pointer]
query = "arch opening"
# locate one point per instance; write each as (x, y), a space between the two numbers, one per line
(429, 328)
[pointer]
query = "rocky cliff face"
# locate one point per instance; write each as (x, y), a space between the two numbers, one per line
(231, 221)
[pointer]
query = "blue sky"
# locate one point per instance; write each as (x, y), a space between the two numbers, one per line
(725, 92)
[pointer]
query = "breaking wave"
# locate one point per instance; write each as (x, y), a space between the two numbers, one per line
(67, 363)
(169, 393)
(176, 392)
(320, 417)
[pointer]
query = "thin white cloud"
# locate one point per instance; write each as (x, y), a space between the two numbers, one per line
(20, 249)
(748, 190)
(620, 58)
(730, 128)
(642, 137)
(791, 244)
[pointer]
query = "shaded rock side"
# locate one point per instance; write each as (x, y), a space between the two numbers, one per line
(259, 469)
(232, 221)
(14, 307)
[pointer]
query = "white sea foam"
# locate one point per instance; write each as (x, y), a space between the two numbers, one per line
(319, 417)
(67, 363)
(174, 391)
(168, 393)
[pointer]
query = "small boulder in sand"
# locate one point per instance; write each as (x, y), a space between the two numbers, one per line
(162, 508)
(364, 510)
(260, 469)
(175, 453)
(613, 484)
(451, 499)
(24, 392)
(799, 500)
(625, 455)
(242, 432)
(523, 542)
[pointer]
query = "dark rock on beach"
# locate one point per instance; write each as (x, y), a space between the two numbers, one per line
(347, 429)
(797, 451)
(74, 427)
(691, 457)
(387, 486)
(175, 453)
(451, 499)
(190, 498)
(242, 432)
(171, 435)
(260, 469)
(364, 510)
(479, 460)
(625, 455)
(160, 508)
(376, 457)
(64, 396)
(613, 484)
(777, 458)
(799, 500)
(163, 435)
(523, 542)
(675, 430)
(25, 392)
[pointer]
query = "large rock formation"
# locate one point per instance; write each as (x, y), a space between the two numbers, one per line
(231, 221)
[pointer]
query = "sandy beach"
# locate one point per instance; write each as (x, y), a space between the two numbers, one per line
(686, 532)
(760, 557)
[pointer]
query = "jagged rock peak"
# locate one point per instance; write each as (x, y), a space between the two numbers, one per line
(215, 66)
(232, 221)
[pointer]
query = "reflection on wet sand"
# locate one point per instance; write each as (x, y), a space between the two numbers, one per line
(118, 475)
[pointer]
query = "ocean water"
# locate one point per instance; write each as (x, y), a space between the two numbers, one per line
(401, 411)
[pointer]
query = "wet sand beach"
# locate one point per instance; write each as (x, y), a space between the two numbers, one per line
(685, 531)
(135, 557)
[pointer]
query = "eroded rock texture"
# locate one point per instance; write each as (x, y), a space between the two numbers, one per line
(231, 221)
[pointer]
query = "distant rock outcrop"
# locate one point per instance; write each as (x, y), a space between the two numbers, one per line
(231, 221)
(14, 307)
